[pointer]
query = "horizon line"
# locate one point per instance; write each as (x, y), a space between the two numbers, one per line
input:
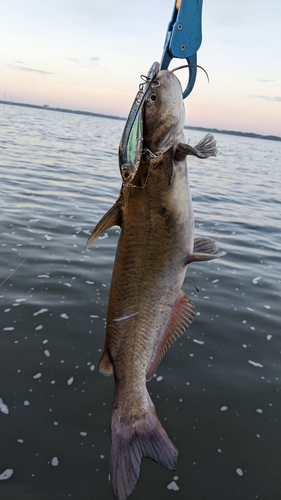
(46, 107)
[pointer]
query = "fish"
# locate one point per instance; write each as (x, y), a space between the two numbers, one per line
(147, 309)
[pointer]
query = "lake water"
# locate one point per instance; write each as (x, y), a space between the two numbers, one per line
(218, 389)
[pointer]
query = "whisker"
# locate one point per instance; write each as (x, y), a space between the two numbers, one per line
(197, 289)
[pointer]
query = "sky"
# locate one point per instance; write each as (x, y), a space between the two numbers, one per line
(89, 55)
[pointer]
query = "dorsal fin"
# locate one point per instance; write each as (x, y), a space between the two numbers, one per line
(182, 315)
(112, 218)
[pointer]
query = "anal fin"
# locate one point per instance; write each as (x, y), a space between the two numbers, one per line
(182, 315)
(204, 249)
(112, 218)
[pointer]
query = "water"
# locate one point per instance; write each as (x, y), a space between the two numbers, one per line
(217, 391)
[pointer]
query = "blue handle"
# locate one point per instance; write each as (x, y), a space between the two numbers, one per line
(184, 37)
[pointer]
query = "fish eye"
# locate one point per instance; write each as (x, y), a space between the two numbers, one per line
(152, 97)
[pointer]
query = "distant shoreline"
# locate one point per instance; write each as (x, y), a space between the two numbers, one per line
(89, 113)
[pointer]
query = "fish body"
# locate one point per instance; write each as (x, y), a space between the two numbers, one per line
(147, 310)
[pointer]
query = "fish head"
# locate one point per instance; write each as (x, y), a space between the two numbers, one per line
(163, 113)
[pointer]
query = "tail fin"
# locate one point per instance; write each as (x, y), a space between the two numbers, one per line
(131, 442)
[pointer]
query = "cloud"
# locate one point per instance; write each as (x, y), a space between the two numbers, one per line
(266, 97)
(19, 67)
(85, 61)
(263, 80)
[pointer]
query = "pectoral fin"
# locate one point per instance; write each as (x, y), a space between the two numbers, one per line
(204, 249)
(112, 218)
(182, 315)
(205, 148)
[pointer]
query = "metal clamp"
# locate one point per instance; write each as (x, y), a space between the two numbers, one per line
(184, 37)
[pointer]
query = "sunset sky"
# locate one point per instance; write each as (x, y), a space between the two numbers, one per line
(89, 55)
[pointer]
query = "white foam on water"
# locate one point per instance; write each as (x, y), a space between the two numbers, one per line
(55, 461)
(223, 408)
(6, 474)
(173, 486)
(257, 365)
(3, 408)
(41, 311)
(70, 381)
(256, 280)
